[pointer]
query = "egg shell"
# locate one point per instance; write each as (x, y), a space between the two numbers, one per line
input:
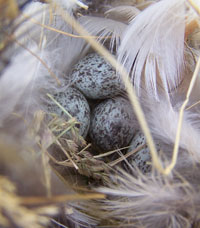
(143, 156)
(76, 104)
(95, 78)
(112, 124)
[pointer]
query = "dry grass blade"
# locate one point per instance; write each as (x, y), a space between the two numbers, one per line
(60, 106)
(195, 5)
(47, 172)
(9, 8)
(56, 30)
(14, 214)
(178, 134)
(68, 156)
(113, 163)
(196, 103)
(58, 223)
(110, 152)
(59, 199)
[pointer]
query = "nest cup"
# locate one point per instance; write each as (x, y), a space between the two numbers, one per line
(111, 156)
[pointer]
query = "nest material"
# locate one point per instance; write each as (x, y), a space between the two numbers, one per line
(131, 195)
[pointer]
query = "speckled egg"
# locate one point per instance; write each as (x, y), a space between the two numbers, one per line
(76, 104)
(95, 78)
(112, 124)
(142, 157)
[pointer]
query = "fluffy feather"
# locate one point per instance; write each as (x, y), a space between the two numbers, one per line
(134, 200)
(122, 13)
(163, 121)
(25, 29)
(153, 201)
(24, 88)
(15, 80)
(57, 43)
(61, 45)
(70, 4)
(105, 29)
(150, 43)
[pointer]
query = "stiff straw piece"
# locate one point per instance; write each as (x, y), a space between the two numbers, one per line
(178, 134)
(56, 30)
(60, 106)
(122, 158)
(11, 8)
(110, 152)
(196, 103)
(195, 5)
(46, 173)
(59, 198)
(67, 154)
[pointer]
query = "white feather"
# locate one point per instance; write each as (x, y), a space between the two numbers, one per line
(135, 200)
(153, 44)
(148, 201)
(163, 122)
(122, 13)
(15, 80)
(70, 4)
(68, 49)
(105, 29)
(63, 47)
(26, 29)
(26, 80)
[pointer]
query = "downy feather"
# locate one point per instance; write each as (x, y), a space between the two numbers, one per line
(149, 201)
(122, 13)
(153, 45)
(69, 4)
(163, 122)
(24, 88)
(15, 80)
(105, 29)
(26, 30)
(135, 200)
(144, 4)
(62, 43)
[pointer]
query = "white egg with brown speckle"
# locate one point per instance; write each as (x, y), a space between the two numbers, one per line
(112, 124)
(76, 104)
(141, 158)
(96, 78)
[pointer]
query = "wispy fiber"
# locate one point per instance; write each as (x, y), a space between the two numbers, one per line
(152, 46)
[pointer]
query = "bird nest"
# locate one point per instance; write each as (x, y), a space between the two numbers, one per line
(52, 173)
